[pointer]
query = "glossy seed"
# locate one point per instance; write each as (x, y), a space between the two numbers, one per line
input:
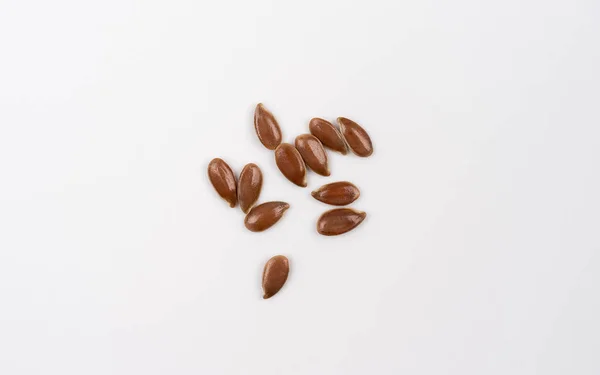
(290, 163)
(339, 220)
(328, 135)
(337, 193)
(223, 180)
(275, 275)
(266, 127)
(313, 153)
(249, 186)
(265, 215)
(357, 138)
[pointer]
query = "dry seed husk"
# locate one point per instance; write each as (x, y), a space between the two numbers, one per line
(339, 221)
(249, 186)
(339, 193)
(267, 128)
(275, 275)
(313, 153)
(356, 137)
(290, 163)
(327, 133)
(265, 215)
(223, 180)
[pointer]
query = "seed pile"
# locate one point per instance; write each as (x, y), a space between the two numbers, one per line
(309, 151)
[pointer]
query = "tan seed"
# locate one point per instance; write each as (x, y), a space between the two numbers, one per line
(357, 138)
(275, 275)
(290, 163)
(265, 215)
(339, 220)
(249, 186)
(313, 153)
(223, 180)
(337, 193)
(328, 135)
(266, 127)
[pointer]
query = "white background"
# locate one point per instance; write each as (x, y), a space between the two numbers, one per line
(481, 250)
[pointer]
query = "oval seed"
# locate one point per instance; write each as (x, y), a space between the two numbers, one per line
(313, 153)
(357, 138)
(290, 163)
(339, 220)
(275, 275)
(223, 180)
(328, 135)
(265, 215)
(337, 193)
(249, 186)
(266, 127)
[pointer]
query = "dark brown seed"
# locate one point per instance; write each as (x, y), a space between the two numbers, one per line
(275, 275)
(337, 193)
(357, 138)
(328, 135)
(290, 163)
(266, 127)
(339, 220)
(223, 180)
(249, 186)
(313, 153)
(265, 215)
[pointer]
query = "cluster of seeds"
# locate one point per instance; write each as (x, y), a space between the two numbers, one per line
(292, 160)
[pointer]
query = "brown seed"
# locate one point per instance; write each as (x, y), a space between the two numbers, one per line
(266, 127)
(313, 153)
(339, 220)
(328, 135)
(290, 163)
(337, 193)
(357, 138)
(275, 275)
(265, 215)
(249, 186)
(223, 180)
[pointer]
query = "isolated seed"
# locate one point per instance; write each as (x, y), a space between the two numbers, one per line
(328, 135)
(313, 153)
(265, 215)
(290, 163)
(357, 138)
(339, 220)
(249, 186)
(337, 193)
(266, 127)
(275, 275)
(223, 180)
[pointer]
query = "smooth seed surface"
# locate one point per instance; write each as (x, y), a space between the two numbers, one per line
(356, 137)
(290, 163)
(267, 128)
(265, 215)
(339, 221)
(313, 153)
(223, 180)
(329, 136)
(249, 186)
(339, 193)
(275, 275)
